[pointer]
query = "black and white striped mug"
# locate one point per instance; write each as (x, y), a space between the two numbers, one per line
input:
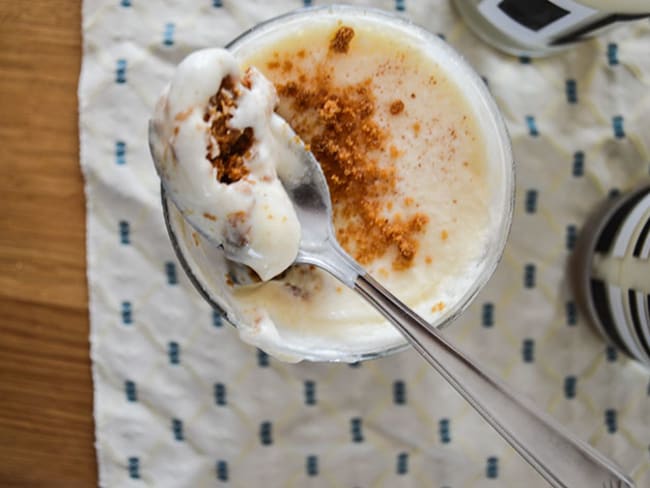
(611, 272)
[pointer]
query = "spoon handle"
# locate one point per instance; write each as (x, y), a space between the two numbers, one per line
(563, 460)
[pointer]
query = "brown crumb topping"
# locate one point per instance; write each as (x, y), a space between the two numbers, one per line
(340, 43)
(396, 107)
(338, 124)
(228, 148)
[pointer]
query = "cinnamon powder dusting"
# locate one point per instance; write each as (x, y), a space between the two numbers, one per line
(228, 147)
(338, 124)
(396, 107)
(438, 307)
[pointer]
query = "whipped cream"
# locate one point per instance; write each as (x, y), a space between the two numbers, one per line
(251, 216)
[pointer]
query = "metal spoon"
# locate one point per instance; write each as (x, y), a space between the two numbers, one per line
(562, 459)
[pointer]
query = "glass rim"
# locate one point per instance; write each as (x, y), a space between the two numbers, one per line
(498, 239)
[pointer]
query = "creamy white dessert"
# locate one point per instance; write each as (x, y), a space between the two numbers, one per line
(419, 168)
(218, 147)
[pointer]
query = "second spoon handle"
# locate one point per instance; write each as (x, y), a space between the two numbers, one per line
(563, 460)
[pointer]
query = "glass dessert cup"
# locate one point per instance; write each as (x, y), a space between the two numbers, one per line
(205, 265)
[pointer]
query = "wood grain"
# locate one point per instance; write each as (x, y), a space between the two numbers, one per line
(46, 425)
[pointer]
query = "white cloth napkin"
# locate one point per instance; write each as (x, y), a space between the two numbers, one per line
(180, 401)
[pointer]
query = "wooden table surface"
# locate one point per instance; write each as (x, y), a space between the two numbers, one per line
(46, 424)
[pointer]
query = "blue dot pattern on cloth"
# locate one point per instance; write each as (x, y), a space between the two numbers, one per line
(120, 71)
(578, 163)
(177, 429)
(131, 392)
(530, 271)
(310, 392)
(611, 353)
(445, 431)
(617, 125)
(492, 468)
(217, 319)
(571, 236)
(266, 433)
(181, 398)
(174, 353)
(571, 91)
(571, 313)
(531, 201)
(312, 465)
(399, 392)
(168, 34)
(134, 468)
(612, 53)
(528, 350)
(487, 317)
(402, 463)
(262, 359)
(170, 272)
(125, 230)
(127, 313)
(222, 470)
(532, 125)
(356, 430)
(570, 385)
(220, 394)
(120, 152)
(611, 420)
